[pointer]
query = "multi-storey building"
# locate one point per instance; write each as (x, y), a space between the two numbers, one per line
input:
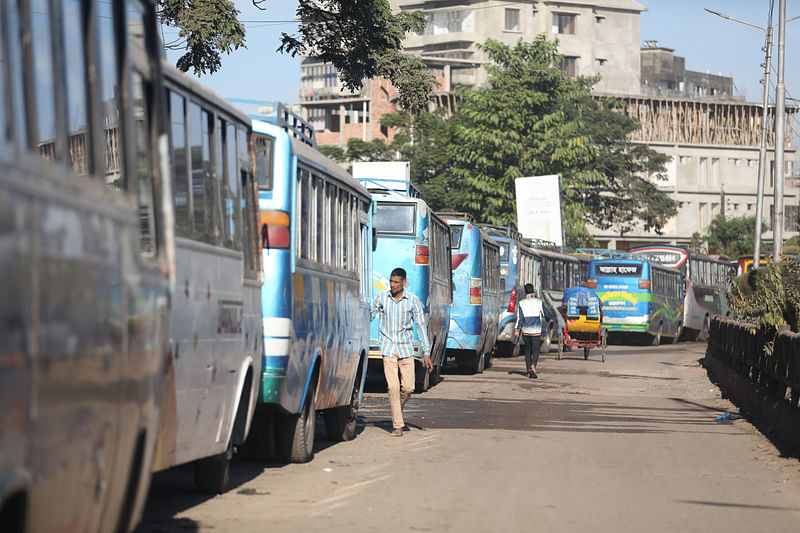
(714, 145)
(596, 37)
(691, 116)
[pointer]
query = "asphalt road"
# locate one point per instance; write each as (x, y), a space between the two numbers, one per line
(632, 444)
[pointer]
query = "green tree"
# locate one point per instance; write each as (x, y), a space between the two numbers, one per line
(207, 28)
(731, 236)
(532, 120)
(362, 39)
(423, 139)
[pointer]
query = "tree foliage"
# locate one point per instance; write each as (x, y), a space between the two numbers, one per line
(362, 39)
(532, 120)
(732, 236)
(207, 28)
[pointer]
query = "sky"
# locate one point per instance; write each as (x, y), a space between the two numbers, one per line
(708, 42)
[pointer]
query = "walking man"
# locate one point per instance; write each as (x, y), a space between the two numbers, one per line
(530, 316)
(399, 311)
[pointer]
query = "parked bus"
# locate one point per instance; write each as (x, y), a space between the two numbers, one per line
(476, 291)
(639, 297)
(745, 264)
(706, 283)
(316, 247)
(411, 236)
(86, 254)
(518, 265)
(215, 322)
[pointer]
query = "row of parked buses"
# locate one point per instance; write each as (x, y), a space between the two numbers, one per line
(182, 281)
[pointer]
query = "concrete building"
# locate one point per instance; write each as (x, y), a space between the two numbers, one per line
(665, 74)
(714, 147)
(691, 116)
(596, 37)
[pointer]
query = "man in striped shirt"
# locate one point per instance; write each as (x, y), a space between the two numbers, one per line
(399, 312)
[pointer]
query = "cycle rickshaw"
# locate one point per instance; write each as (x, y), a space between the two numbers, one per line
(584, 322)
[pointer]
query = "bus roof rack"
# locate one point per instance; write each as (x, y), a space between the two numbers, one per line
(502, 231)
(383, 186)
(604, 253)
(279, 114)
(457, 216)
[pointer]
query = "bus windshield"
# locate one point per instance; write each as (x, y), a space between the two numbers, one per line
(394, 218)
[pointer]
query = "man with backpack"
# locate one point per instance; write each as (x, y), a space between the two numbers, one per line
(530, 316)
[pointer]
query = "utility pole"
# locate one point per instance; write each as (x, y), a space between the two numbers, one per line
(762, 152)
(780, 99)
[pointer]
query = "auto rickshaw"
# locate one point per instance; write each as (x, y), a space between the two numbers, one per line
(583, 317)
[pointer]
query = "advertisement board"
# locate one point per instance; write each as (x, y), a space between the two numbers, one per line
(539, 208)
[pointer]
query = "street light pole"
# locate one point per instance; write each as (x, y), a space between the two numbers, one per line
(762, 152)
(780, 99)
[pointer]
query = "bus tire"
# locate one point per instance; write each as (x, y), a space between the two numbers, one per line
(678, 333)
(656, 339)
(422, 381)
(703, 334)
(340, 422)
(480, 360)
(547, 341)
(262, 443)
(212, 474)
(296, 435)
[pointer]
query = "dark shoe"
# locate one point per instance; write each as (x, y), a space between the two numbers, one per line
(533, 374)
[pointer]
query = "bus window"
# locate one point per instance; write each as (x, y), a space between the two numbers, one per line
(394, 218)
(180, 176)
(331, 205)
(144, 180)
(304, 219)
(16, 86)
(230, 189)
(264, 148)
(76, 74)
(319, 216)
(45, 134)
(455, 237)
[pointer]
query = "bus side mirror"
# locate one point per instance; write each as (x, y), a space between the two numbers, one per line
(374, 239)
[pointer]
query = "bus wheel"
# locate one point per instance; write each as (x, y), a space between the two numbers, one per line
(211, 475)
(547, 341)
(703, 335)
(678, 333)
(657, 337)
(296, 438)
(422, 381)
(261, 442)
(340, 422)
(480, 360)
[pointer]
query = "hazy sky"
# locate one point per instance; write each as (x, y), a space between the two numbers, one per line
(708, 42)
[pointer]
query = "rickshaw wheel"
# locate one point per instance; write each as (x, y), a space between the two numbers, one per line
(560, 346)
(603, 344)
(585, 353)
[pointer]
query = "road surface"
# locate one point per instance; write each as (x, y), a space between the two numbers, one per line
(632, 444)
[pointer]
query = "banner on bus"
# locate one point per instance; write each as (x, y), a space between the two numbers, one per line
(539, 208)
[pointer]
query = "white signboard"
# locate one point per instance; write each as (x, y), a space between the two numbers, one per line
(539, 208)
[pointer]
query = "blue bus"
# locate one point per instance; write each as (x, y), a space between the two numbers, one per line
(411, 236)
(476, 291)
(639, 297)
(518, 265)
(315, 235)
(706, 284)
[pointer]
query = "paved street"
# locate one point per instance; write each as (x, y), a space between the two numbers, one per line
(632, 444)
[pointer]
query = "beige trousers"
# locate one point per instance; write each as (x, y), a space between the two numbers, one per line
(399, 389)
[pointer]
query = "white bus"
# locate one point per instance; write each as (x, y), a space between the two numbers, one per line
(215, 323)
(85, 255)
